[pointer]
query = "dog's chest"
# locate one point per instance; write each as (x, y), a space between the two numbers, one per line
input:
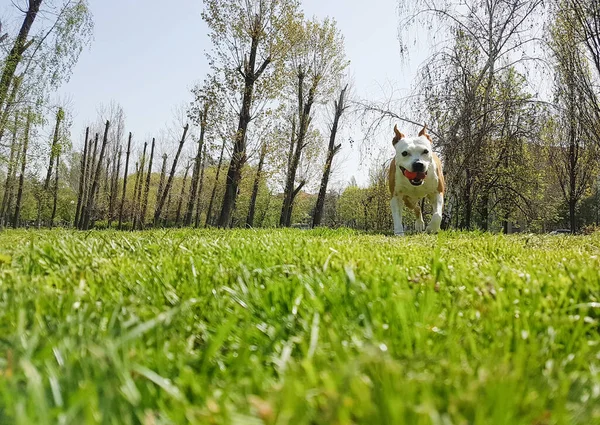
(405, 188)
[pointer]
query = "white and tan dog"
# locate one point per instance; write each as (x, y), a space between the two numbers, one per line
(416, 173)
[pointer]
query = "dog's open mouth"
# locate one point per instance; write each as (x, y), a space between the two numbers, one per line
(415, 178)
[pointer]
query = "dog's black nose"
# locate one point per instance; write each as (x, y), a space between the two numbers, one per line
(418, 167)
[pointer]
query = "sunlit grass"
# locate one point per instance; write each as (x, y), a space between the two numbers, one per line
(298, 327)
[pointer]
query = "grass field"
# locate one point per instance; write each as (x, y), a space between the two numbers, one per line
(293, 327)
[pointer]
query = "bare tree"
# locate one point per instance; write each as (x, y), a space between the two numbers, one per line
(214, 190)
(147, 187)
(55, 191)
(317, 62)
(182, 195)
(82, 178)
(138, 195)
(246, 35)
(200, 187)
(23, 168)
(255, 187)
(332, 150)
(89, 210)
(163, 196)
(125, 182)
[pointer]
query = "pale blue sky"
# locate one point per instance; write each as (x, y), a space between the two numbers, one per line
(147, 54)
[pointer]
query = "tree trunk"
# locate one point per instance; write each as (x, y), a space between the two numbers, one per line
(82, 179)
(125, 182)
(163, 198)
(138, 199)
(304, 119)
(55, 191)
(332, 150)
(252, 208)
(23, 167)
(214, 191)
(42, 203)
(161, 183)
(238, 157)
(90, 206)
(91, 163)
(60, 115)
(136, 186)
(114, 189)
(181, 196)
(147, 187)
(196, 172)
(11, 100)
(9, 183)
(167, 211)
(19, 47)
(200, 187)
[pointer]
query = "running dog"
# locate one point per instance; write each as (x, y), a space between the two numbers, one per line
(416, 173)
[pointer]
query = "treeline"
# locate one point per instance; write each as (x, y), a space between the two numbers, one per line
(511, 97)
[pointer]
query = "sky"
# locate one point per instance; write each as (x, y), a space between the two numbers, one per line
(146, 55)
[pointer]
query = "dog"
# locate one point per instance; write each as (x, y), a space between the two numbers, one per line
(416, 173)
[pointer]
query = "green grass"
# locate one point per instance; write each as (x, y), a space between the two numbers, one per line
(292, 327)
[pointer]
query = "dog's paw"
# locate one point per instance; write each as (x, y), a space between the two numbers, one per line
(431, 229)
(419, 225)
(435, 224)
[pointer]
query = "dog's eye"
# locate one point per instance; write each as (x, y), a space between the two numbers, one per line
(404, 153)
(425, 152)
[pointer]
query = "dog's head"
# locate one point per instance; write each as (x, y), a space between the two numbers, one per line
(413, 155)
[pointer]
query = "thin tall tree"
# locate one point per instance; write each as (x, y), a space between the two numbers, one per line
(214, 190)
(332, 150)
(55, 191)
(147, 187)
(256, 186)
(161, 182)
(125, 182)
(82, 178)
(23, 167)
(91, 202)
(163, 198)
(181, 196)
(138, 197)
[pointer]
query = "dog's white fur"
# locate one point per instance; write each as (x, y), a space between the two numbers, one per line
(408, 151)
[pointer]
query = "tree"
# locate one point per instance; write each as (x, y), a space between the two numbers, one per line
(573, 153)
(147, 187)
(256, 185)
(82, 178)
(317, 62)
(23, 167)
(20, 45)
(332, 150)
(247, 38)
(137, 193)
(200, 112)
(163, 196)
(214, 190)
(89, 209)
(125, 182)
(476, 45)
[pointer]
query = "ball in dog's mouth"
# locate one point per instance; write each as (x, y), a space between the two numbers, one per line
(415, 178)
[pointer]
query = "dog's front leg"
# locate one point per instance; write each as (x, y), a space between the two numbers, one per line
(397, 204)
(437, 200)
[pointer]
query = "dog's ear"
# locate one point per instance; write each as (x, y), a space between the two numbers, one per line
(424, 133)
(398, 136)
